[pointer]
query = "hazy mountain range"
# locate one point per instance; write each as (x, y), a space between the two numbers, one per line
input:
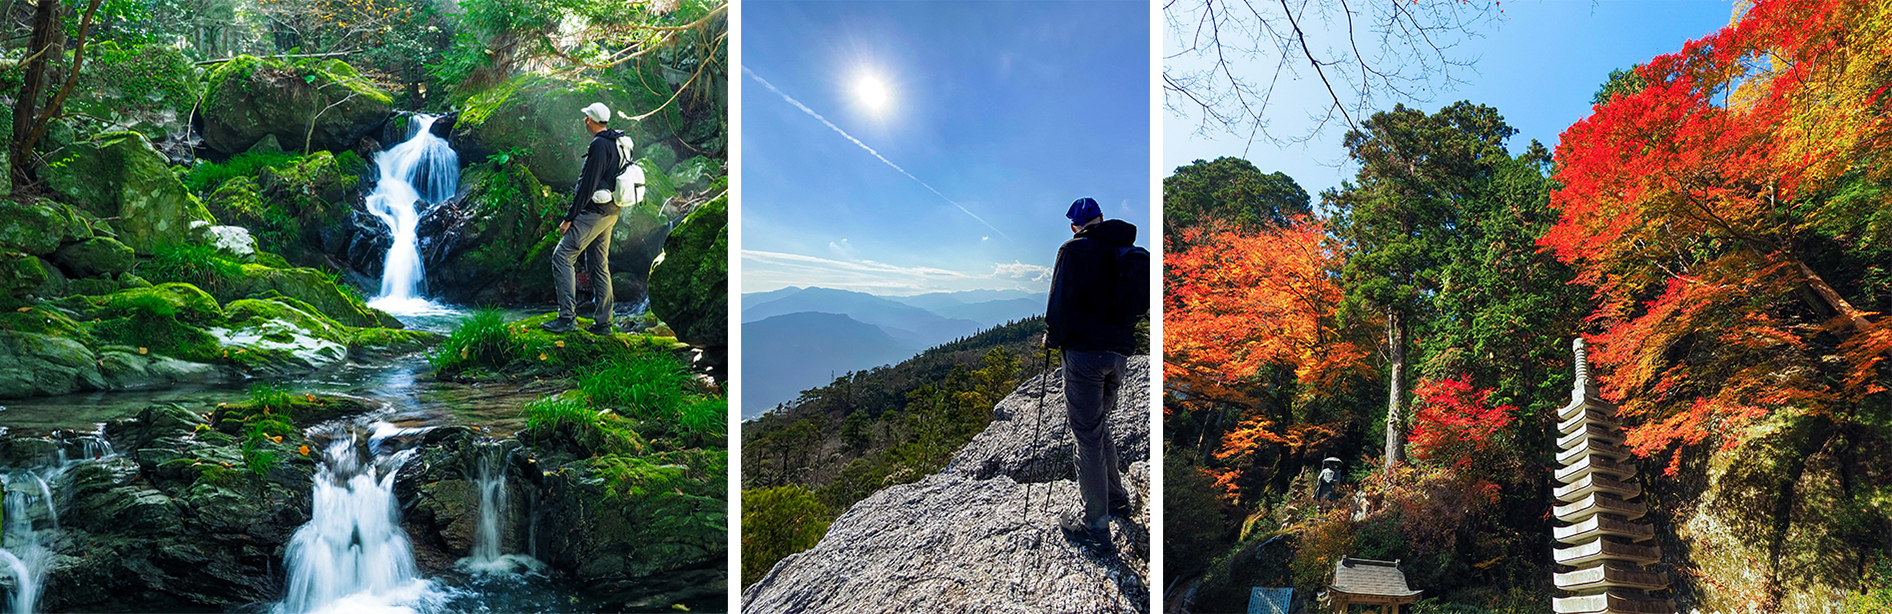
(794, 339)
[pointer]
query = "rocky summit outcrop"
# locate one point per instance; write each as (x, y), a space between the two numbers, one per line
(962, 540)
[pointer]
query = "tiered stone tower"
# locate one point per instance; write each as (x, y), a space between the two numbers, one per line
(1600, 537)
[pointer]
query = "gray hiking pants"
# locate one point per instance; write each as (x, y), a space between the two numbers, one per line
(591, 235)
(1091, 380)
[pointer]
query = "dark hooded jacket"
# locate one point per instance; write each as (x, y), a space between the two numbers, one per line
(1081, 313)
(601, 173)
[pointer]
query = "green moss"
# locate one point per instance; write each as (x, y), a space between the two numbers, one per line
(190, 263)
(41, 320)
(286, 309)
(485, 344)
(689, 288)
(564, 421)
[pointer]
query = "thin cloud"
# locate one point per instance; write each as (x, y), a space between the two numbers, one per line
(837, 129)
(777, 269)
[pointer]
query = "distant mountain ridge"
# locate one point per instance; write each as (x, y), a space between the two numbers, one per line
(806, 350)
(788, 356)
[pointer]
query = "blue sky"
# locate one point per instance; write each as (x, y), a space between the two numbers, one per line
(999, 113)
(1539, 66)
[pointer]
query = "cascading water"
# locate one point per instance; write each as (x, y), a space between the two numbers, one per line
(485, 556)
(421, 170)
(352, 555)
(32, 518)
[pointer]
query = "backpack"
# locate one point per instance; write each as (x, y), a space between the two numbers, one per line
(1132, 298)
(630, 185)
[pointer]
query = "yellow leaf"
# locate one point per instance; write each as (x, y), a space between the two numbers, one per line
(559, 343)
(143, 351)
(304, 450)
(541, 356)
(24, 309)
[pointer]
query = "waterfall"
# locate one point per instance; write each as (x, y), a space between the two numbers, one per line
(485, 557)
(23, 547)
(352, 554)
(420, 170)
(492, 485)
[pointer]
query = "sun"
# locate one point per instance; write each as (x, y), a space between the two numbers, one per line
(872, 93)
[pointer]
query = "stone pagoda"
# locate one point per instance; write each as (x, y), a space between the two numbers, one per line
(1599, 534)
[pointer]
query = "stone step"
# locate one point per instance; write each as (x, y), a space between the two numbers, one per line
(1609, 575)
(1589, 447)
(1605, 550)
(1598, 503)
(1600, 525)
(1594, 482)
(1594, 464)
(1588, 416)
(1593, 431)
(1613, 602)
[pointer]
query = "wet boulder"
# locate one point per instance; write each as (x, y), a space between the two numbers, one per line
(494, 246)
(39, 227)
(324, 105)
(120, 175)
(689, 286)
(101, 257)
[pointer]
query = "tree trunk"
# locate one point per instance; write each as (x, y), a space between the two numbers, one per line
(1396, 394)
(47, 37)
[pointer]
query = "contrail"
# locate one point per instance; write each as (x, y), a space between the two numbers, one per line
(837, 129)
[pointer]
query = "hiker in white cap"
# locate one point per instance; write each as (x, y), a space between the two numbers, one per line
(587, 228)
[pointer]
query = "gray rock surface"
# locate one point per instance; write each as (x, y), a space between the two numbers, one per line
(962, 540)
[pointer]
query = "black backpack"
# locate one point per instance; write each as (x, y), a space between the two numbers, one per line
(1133, 284)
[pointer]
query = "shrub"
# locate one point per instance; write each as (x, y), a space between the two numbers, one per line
(777, 522)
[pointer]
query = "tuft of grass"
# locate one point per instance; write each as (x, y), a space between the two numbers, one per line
(206, 177)
(195, 264)
(646, 386)
(271, 398)
(597, 432)
(481, 341)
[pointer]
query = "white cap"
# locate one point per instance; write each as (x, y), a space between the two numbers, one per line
(598, 113)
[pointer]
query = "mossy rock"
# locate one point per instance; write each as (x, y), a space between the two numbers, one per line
(40, 365)
(250, 98)
(166, 319)
(39, 227)
(383, 343)
(689, 286)
(120, 175)
(503, 255)
(302, 410)
(539, 115)
(21, 274)
(96, 257)
(92, 287)
(245, 311)
(312, 287)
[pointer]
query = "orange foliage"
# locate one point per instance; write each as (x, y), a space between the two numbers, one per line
(1237, 301)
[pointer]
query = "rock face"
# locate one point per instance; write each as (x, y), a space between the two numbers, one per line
(320, 105)
(121, 175)
(955, 541)
(537, 118)
(178, 522)
(689, 288)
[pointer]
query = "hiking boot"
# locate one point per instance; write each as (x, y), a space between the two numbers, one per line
(1122, 509)
(1084, 535)
(560, 325)
(601, 328)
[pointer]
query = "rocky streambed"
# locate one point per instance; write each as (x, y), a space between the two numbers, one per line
(370, 484)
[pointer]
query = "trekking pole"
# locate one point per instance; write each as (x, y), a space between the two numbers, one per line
(1044, 381)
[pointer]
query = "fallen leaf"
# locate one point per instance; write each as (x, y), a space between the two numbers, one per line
(143, 351)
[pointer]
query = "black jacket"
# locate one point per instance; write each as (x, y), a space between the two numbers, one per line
(601, 173)
(1079, 315)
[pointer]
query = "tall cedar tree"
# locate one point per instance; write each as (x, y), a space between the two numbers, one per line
(1418, 173)
(1731, 216)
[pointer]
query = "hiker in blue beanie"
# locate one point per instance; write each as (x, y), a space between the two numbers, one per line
(1095, 304)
